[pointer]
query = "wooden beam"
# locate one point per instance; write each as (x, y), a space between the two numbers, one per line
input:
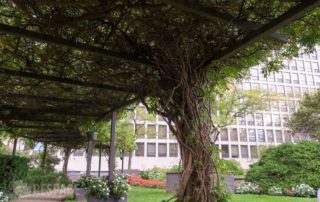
(10, 109)
(215, 15)
(62, 80)
(71, 44)
(51, 99)
(284, 19)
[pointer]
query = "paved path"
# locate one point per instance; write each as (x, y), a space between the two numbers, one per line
(53, 196)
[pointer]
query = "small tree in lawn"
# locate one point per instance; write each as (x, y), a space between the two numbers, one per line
(306, 120)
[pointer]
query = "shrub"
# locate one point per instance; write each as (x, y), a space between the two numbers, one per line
(38, 179)
(275, 191)
(85, 181)
(99, 189)
(3, 197)
(230, 167)
(304, 190)
(12, 168)
(287, 165)
(120, 186)
(248, 188)
(150, 174)
(151, 183)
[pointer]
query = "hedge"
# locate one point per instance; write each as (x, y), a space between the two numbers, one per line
(12, 168)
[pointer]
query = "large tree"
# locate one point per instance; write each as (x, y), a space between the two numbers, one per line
(172, 55)
(306, 121)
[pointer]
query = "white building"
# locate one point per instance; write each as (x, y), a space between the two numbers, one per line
(241, 142)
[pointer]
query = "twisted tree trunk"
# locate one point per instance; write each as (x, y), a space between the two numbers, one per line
(67, 153)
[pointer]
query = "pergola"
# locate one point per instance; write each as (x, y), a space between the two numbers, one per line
(67, 61)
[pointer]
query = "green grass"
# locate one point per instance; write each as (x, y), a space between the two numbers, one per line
(138, 194)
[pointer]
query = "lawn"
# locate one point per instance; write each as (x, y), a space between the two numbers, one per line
(138, 194)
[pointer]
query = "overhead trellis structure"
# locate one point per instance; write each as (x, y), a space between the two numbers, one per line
(65, 61)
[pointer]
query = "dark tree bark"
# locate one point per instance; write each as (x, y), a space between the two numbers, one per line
(129, 162)
(67, 153)
(14, 149)
(44, 156)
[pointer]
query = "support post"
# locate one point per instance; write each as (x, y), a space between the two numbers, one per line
(100, 151)
(44, 156)
(14, 149)
(318, 195)
(112, 147)
(92, 136)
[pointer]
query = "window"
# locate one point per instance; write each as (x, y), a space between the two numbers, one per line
(289, 91)
(281, 90)
(256, 86)
(287, 78)
(173, 149)
(285, 120)
(151, 131)
(272, 89)
(297, 92)
(317, 80)
(234, 151)
(307, 66)
(151, 149)
(310, 80)
(268, 119)
(254, 74)
(261, 137)
(276, 120)
(140, 130)
(243, 135)
(271, 77)
(295, 79)
(241, 121)
(300, 65)
(315, 67)
(293, 65)
(283, 106)
(270, 136)
(225, 151)
(162, 132)
(274, 105)
(224, 135)
(254, 152)
(279, 77)
(285, 64)
(78, 152)
(259, 119)
(171, 136)
(246, 86)
(250, 119)
(162, 150)
(140, 149)
(279, 136)
(252, 135)
(291, 106)
(244, 151)
(287, 136)
(234, 134)
(303, 79)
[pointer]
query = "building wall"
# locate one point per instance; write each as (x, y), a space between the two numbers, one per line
(242, 141)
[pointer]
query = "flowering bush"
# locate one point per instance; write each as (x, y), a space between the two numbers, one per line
(288, 192)
(138, 181)
(304, 190)
(275, 191)
(248, 188)
(3, 197)
(85, 181)
(120, 186)
(99, 189)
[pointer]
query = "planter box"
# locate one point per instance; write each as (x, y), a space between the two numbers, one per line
(110, 199)
(80, 194)
(172, 181)
(173, 178)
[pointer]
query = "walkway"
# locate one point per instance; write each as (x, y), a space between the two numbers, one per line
(53, 196)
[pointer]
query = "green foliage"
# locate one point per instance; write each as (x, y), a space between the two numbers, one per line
(12, 168)
(230, 167)
(306, 120)
(287, 166)
(85, 181)
(150, 174)
(38, 179)
(50, 162)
